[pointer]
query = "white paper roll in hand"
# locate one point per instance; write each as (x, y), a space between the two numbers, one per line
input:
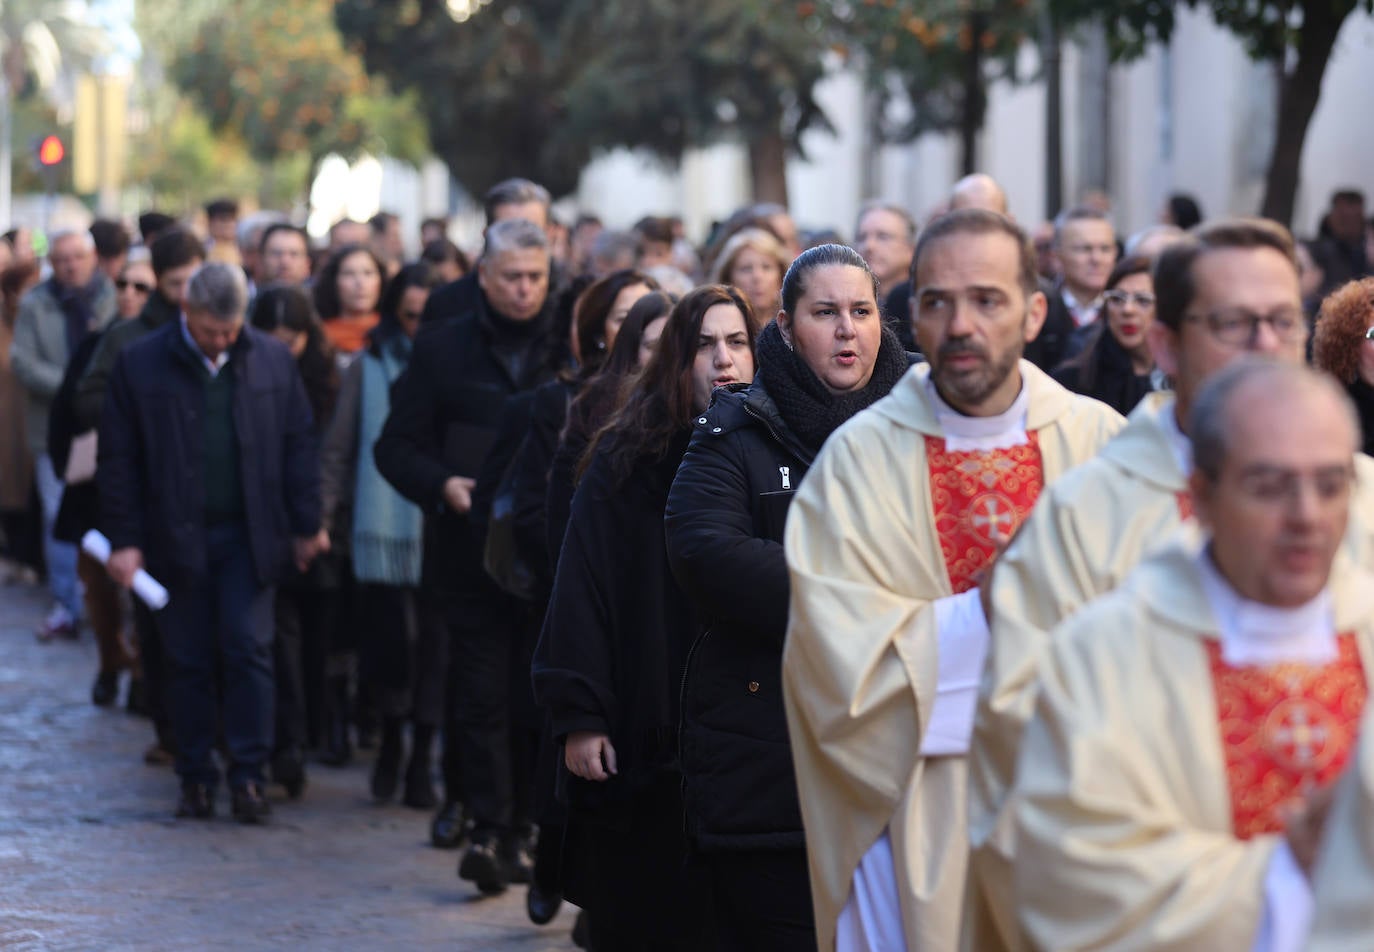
(146, 587)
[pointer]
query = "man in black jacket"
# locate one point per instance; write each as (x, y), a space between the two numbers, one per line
(209, 475)
(513, 198)
(444, 412)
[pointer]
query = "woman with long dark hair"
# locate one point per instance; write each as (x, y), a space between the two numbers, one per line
(610, 659)
(307, 604)
(348, 294)
(827, 356)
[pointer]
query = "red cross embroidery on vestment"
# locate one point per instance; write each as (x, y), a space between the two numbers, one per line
(978, 498)
(1285, 730)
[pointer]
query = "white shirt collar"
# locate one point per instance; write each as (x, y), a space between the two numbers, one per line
(1179, 444)
(1083, 314)
(1259, 635)
(965, 434)
(213, 366)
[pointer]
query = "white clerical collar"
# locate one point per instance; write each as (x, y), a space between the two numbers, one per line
(213, 366)
(964, 434)
(1179, 444)
(1259, 635)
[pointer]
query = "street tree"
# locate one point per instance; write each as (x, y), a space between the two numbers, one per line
(942, 55)
(1297, 36)
(277, 77)
(540, 87)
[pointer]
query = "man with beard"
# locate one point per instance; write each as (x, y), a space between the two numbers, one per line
(902, 514)
(1226, 290)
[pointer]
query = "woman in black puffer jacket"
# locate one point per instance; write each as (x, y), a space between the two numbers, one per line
(825, 358)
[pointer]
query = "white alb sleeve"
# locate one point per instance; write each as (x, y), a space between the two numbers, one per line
(962, 634)
(1288, 905)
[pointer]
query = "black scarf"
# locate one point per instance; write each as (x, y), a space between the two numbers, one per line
(810, 410)
(1108, 373)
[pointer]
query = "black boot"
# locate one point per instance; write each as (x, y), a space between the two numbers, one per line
(386, 771)
(338, 748)
(419, 792)
(288, 769)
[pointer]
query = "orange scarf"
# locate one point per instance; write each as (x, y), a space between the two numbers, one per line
(348, 335)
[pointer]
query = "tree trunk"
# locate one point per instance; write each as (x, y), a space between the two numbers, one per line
(975, 96)
(1054, 117)
(768, 166)
(1299, 92)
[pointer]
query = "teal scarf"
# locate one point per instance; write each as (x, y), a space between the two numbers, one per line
(387, 528)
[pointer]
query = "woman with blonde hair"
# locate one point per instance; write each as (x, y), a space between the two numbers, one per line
(753, 261)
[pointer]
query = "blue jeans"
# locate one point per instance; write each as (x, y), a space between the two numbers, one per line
(60, 556)
(222, 619)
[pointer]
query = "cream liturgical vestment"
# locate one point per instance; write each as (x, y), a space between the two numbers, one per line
(1087, 533)
(1174, 726)
(873, 542)
(1343, 880)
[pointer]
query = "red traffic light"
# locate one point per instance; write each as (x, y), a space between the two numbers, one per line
(51, 151)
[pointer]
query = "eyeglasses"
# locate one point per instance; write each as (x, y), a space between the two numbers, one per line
(1238, 327)
(1117, 298)
(124, 284)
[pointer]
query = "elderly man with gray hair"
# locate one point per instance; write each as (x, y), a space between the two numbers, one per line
(53, 319)
(209, 478)
(445, 411)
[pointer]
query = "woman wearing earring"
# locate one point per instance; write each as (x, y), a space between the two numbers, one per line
(827, 356)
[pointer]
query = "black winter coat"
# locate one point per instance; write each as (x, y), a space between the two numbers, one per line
(618, 629)
(80, 507)
(724, 523)
(152, 487)
(445, 409)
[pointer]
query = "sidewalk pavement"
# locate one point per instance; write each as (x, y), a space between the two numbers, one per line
(91, 858)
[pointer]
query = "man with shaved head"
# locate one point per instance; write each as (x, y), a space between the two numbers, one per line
(978, 190)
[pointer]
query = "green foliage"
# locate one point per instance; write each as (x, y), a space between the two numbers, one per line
(1267, 28)
(277, 77)
(944, 53)
(539, 87)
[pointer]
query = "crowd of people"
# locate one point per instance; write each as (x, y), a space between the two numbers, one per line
(969, 584)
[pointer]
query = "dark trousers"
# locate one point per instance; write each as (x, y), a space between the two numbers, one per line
(223, 619)
(762, 900)
(152, 661)
(401, 652)
(490, 728)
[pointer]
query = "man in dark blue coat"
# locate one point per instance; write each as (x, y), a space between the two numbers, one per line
(209, 477)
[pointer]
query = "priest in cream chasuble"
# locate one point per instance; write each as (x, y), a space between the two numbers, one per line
(905, 508)
(1187, 722)
(1228, 291)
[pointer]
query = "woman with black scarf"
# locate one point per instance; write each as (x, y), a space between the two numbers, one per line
(826, 357)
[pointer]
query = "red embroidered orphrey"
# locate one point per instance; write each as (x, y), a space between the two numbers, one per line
(1185, 504)
(1285, 730)
(979, 498)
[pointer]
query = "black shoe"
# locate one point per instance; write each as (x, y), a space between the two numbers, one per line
(136, 701)
(582, 933)
(419, 792)
(517, 853)
(449, 828)
(288, 769)
(250, 805)
(386, 772)
(542, 906)
(106, 688)
(482, 865)
(197, 802)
